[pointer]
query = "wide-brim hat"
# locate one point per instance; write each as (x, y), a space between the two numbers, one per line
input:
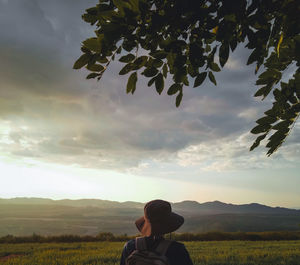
(158, 219)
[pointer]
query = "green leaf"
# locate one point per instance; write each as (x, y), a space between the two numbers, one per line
(263, 91)
(82, 61)
(90, 18)
(272, 150)
(271, 112)
(257, 141)
(223, 54)
(212, 78)
(95, 67)
(121, 4)
(178, 99)
(126, 69)
(253, 57)
(149, 72)
(270, 73)
(131, 84)
(134, 5)
(200, 79)
(213, 66)
(230, 17)
(106, 15)
(278, 95)
(157, 63)
(93, 44)
(159, 83)
(85, 50)
(140, 62)
(165, 70)
(151, 81)
(261, 128)
(128, 45)
(159, 54)
(92, 75)
(266, 120)
(185, 80)
(192, 71)
(119, 50)
(102, 60)
(283, 125)
(293, 99)
(277, 138)
(173, 89)
(278, 135)
(233, 44)
(127, 58)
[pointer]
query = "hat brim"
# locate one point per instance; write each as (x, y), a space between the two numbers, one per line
(147, 228)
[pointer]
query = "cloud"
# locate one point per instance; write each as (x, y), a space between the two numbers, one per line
(249, 114)
(70, 120)
(232, 153)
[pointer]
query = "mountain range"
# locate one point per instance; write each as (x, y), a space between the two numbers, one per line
(25, 216)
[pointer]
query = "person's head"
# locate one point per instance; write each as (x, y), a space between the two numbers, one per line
(158, 219)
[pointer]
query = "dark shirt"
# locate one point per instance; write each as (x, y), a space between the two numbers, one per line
(176, 253)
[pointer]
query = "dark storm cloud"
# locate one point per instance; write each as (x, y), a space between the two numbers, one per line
(71, 120)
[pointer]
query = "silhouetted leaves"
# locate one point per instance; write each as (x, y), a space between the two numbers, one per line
(131, 84)
(140, 62)
(178, 99)
(159, 83)
(257, 141)
(165, 70)
(93, 44)
(92, 75)
(223, 54)
(213, 66)
(149, 72)
(180, 39)
(173, 89)
(200, 79)
(212, 78)
(82, 61)
(95, 67)
(127, 58)
(263, 91)
(126, 69)
(151, 81)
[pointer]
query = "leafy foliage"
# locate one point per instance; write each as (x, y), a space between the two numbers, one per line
(181, 38)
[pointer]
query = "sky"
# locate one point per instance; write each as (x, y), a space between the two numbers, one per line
(62, 136)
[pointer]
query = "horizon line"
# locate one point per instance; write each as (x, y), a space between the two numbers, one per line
(11, 198)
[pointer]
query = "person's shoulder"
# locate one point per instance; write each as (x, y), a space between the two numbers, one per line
(130, 245)
(177, 244)
(178, 254)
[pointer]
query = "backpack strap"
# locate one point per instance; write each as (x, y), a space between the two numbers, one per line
(163, 247)
(140, 243)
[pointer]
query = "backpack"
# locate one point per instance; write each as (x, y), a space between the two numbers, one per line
(143, 256)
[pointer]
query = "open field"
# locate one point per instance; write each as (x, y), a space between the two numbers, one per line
(108, 253)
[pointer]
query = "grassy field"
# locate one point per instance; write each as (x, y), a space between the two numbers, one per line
(108, 253)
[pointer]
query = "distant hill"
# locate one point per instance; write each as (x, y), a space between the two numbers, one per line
(74, 203)
(217, 207)
(25, 216)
